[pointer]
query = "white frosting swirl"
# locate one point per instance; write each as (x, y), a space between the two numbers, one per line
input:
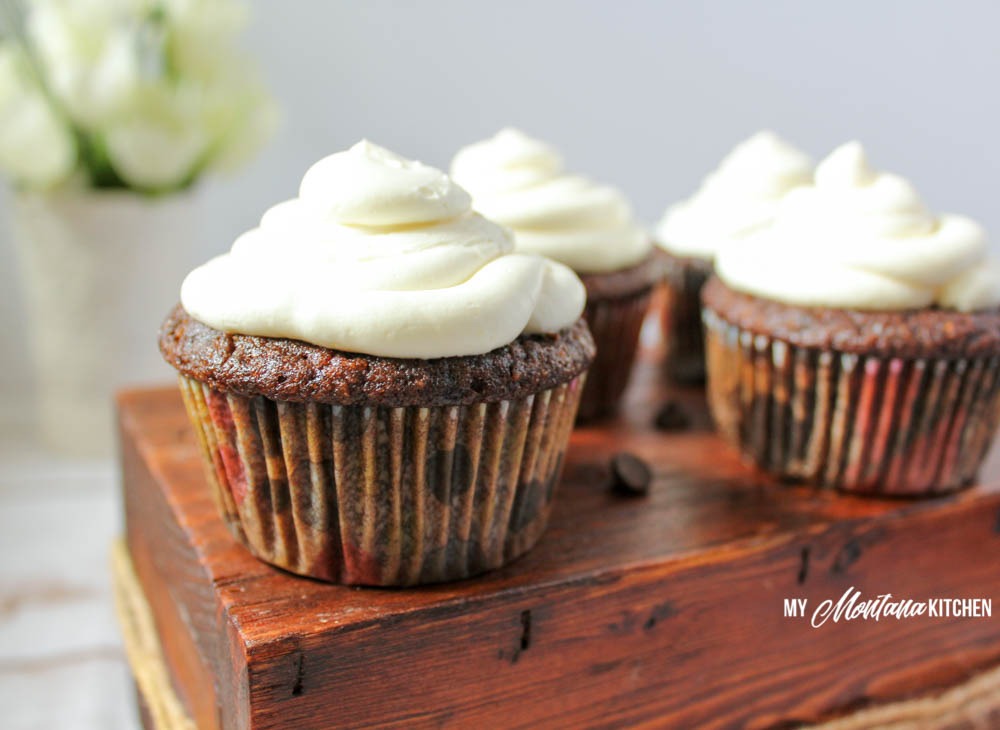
(382, 256)
(519, 182)
(861, 239)
(736, 200)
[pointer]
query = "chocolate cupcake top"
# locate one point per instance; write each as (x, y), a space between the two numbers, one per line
(862, 240)
(520, 182)
(290, 370)
(736, 200)
(382, 256)
(910, 334)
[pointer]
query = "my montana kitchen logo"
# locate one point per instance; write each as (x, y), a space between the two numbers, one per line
(853, 607)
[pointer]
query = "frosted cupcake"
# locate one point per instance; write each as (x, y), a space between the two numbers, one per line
(856, 342)
(382, 389)
(735, 201)
(520, 183)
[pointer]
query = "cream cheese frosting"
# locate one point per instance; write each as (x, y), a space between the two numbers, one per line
(520, 183)
(862, 239)
(739, 198)
(382, 256)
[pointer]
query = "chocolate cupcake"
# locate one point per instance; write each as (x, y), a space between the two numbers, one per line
(383, 391)
(520, 183)
(856, 342)
(735, 201)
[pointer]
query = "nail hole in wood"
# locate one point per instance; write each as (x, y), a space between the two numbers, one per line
(525, 630)
(300, 675)
(804, 565)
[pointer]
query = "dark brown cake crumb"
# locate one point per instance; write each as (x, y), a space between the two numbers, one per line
(672, 416)
(630, 475)
(291, 370)
(910, 334)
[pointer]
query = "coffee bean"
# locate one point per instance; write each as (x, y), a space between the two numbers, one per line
(630, 475)
(672, 416)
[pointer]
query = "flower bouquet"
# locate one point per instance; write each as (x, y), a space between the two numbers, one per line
(110, 112)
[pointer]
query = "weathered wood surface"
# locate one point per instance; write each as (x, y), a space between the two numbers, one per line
(661, 611)
(61, 659)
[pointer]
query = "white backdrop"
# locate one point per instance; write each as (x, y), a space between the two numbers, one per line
(645, 95)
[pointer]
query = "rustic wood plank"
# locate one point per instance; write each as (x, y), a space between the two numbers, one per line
(663, 611)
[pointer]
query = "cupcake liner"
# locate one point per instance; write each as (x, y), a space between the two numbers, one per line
(384, 496)
(615, 324)
(860, 423)
(680, 318)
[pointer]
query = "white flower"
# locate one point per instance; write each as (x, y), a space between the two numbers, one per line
(37, 148)
(89, 52)
(143, 93)
(159, 144)
(238, 116)
(248, 134)
(202, 38)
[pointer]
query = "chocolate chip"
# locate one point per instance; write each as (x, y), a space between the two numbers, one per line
(672, 416)
(630, 475)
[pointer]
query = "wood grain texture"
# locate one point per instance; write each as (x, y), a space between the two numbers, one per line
(661, 611)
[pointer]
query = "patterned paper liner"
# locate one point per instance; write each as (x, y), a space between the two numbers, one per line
(874, 425)
(680, 318)
(615, 324)
(381, 496)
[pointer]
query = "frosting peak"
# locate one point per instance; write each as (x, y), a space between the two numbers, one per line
(862, 239)
(739, 198)
(846, 167)
(368, 185)
(519, 182)
(510, 160)
(383, 256)
(878, 201)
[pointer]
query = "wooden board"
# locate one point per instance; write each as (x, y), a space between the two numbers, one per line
(665, 611)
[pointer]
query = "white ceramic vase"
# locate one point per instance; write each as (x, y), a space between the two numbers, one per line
(100, 270)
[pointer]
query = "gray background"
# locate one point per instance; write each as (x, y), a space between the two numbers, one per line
(644, 95)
